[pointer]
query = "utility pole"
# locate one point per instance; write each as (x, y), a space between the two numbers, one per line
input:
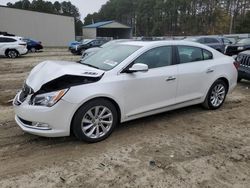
(232, 9)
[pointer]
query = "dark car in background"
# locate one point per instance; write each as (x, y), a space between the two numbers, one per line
(244, 70)
(218, 43)
(33, 45)
(74, 43)
(88, 43)
(93, 50)
(240, 46)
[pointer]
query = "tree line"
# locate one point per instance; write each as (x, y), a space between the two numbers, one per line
(177, 17)
(158, 17)
(64, 8)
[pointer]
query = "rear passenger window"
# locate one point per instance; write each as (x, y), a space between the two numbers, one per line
(211, 40)
(189, 54)
(157, 57)
(207, 55)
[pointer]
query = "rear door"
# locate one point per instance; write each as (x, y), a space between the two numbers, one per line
(194, 73)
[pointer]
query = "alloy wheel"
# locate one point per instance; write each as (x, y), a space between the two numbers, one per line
(97, 122)
(12, 54)
(218, 95)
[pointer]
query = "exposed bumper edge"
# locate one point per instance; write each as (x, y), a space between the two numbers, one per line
(39, 132)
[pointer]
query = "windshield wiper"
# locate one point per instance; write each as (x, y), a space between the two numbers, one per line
(90, 65)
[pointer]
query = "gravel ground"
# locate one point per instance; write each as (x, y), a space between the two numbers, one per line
(189, 147)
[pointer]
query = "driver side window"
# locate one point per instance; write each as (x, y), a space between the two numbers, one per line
(157, 57)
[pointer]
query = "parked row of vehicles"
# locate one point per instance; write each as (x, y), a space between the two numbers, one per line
(14, 46)
(228, 46)
(240, 50)
(223, 44)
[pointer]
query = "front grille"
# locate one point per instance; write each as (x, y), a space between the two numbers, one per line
(21, 97)
(25, 121)
(244, 60)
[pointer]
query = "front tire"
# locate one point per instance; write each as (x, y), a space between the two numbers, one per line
(216, 95)
(95, 120)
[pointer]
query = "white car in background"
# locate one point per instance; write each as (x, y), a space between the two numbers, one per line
(122, 82)
(12, 46)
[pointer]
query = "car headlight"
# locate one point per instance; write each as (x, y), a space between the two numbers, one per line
(239, 58)
(48, 99)
(240, 48)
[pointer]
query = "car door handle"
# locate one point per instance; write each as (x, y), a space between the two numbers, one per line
(170, 78)
(210, 70)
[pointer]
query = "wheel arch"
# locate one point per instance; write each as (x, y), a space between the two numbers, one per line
(225, 80)
(8, 49)
(219, 78)
(95, 98)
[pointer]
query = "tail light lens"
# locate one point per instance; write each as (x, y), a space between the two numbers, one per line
(237, 65)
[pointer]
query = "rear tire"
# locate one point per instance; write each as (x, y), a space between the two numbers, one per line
(12, 53)
(216, 95)
(33, 50)
(95, 120)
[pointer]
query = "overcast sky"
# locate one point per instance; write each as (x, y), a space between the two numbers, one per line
(85, 6)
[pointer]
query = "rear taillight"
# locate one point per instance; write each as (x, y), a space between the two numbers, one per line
(237, 65)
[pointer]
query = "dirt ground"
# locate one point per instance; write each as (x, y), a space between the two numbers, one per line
(189, 147)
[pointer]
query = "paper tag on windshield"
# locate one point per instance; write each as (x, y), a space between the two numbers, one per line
(110, 63)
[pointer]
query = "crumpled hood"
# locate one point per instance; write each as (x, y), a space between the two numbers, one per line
(50, 70)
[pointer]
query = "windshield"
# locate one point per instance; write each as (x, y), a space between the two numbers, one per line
(86, 41)
(244, 41)
(108, 44)
(109, 57)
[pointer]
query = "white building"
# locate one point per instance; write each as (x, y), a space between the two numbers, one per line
(50, 29)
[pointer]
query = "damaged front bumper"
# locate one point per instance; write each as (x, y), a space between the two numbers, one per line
(44, 121)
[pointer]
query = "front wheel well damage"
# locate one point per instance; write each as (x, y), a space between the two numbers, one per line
(106, 98)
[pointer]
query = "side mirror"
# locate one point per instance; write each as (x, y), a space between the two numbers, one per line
(138, 67)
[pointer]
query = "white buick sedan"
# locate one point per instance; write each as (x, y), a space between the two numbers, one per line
(119, 83)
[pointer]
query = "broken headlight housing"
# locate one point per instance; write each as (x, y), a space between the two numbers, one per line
(48, 99)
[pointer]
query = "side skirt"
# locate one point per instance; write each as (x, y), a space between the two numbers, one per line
(163, 109)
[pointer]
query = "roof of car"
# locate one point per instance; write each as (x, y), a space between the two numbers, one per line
(15, 37)
(163, 42)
